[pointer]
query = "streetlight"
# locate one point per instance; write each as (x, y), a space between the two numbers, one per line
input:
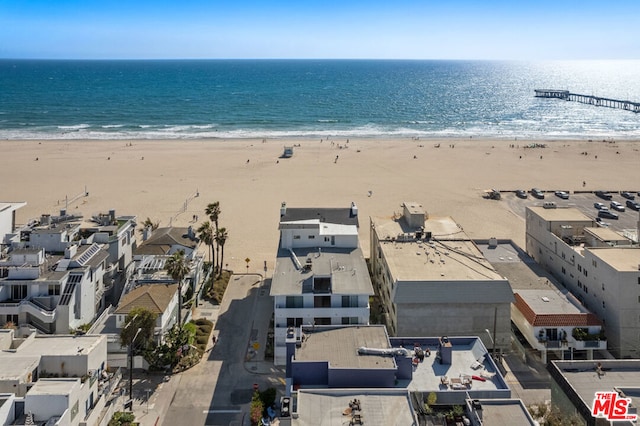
(131, 366)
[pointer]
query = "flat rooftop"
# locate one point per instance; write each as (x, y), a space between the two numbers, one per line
(606, 234)
(561, 214)
(505, 412)
(339, 346)
(549, 301)
(62, 386)
(345, 266)
(467, 352)
(582, 376)
(448, 255)
(377, 407)
(512, 262)
(622, 259)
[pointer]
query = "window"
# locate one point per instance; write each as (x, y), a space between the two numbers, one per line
(564, 271)
(18, 292)
(563, 255)
(579, 268)
(311, 237)
(54, 289)
(602, 286)
(349, 320)
(322, 302)
(296, 237)
(579, 284)
(586, 274)
(594, 263)
(322, 321)
(350, 301)
(294, 302)
(586, 289)
(327, 239)
(294, 322)
(603, 307)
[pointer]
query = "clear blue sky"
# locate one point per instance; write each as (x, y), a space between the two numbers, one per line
(447, 29)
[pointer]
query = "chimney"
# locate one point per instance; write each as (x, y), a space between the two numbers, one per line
(112, 216)
(354, 209)
(283, 208)
(146, 233)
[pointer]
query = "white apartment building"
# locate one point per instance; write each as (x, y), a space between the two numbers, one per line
(56, 277)
(432, 280)
(599, 266)
(320, 277)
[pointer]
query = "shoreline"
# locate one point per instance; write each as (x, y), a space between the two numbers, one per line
(154, 178)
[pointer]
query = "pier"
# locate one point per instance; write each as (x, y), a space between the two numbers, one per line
(589, 99)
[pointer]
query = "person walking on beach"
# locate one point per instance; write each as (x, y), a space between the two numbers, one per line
(336, 160)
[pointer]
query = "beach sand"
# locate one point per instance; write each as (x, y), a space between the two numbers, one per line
(158, 179)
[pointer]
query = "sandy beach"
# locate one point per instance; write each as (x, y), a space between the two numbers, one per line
(158, 179)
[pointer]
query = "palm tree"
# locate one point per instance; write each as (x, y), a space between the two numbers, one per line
(205, 233)
(148, 223)
(178, 267)
(221, 238)
(213, 211)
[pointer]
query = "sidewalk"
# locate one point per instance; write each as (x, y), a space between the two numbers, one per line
(163, 388)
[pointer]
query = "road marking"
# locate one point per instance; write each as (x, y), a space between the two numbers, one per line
(221, 411)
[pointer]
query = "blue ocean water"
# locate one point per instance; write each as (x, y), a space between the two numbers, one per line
(311, 98)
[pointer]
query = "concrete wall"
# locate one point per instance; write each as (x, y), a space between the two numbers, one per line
(310, 373)
(459, 319)
(361, 378)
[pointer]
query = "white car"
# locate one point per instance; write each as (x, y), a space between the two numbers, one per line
(617, 206)
(600, 206)
(562, 194)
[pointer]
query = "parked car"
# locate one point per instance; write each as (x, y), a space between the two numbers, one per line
(633, 205)
(562, 194)
(602, 223)
(537, 193)
(607, 214)
(521, 193)
(604, 195)
(600, 206)
(617, 206)
(628, 195)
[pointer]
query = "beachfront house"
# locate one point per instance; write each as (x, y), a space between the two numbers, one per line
(599, 266)
(56, 277)
(431, 279)
(320, 275)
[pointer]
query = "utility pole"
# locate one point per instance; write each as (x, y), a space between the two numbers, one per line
(131, 367)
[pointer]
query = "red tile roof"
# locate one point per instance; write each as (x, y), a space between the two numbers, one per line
(555, 320)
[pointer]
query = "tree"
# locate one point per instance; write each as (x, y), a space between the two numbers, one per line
(138, 318)
(213, 211)
(221, 238)
(205, 233)
(178, 267)
(148, 223)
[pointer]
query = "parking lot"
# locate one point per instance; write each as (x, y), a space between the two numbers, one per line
(583, 201)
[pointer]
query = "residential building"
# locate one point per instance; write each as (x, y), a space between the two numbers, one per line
(340, 374)
(432, 280)
(320, 276)
(551, 320)
(56, 379)
(599, 266)
(161, 299)
(575, 383)
(166, 241)
(8, 222)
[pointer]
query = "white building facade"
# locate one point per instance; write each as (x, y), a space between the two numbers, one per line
(600, 267)
(321, 277)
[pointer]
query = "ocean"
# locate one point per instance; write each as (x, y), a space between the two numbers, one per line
(184, 99)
